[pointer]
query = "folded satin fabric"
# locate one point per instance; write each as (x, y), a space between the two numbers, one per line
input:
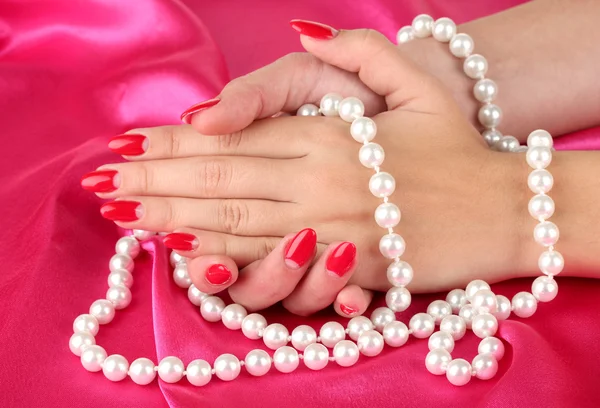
(73, 74)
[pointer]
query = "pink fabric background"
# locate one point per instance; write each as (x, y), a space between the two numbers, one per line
(72, 74)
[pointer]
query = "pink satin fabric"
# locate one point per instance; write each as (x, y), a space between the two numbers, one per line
(73, 74)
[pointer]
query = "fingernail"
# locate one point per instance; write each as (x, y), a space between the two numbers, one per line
(180, 241)
(122, 210)
(340, 261)
(186, 116)
(314, 30)
(301, 248)
(218, 274)
(101, 181)
(129, 145)
(348, 310)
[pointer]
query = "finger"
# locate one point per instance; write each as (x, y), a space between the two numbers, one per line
(326, 278)
(212, 273)
(352, 301)
(284, 85)
(267, 282)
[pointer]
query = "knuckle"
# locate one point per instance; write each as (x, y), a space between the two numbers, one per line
(169, 219)
(213, 177)
(145, 178)
(233, 216)
(172, 137)
(230, 142)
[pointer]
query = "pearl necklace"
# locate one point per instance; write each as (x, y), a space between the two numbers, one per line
(476, 307)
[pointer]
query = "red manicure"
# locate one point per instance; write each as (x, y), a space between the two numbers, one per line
(123, 211)
(348, 310)
(101, 181)
(129, 145)
(341, 259)
(218, 274)
(314, 30)
(180, 241)
(186, 116)
(301, 248)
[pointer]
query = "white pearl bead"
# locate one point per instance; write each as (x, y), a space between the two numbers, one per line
(350, 109)
(475, 66)
(332, 333)
(541, 206)
(438, 309)
(467, 313)
(80, 341)
(233, 315)
(119, 261)
(492, 137)
(316, 356)
(371, 155)
(253, 326)
(198, 372)
(195, 296)
(395, 334)
(142, 235)
(507, 144)
(382, 316)
(539, 157)
(357, 325)
(441, 340)
(128, 246)
(400, 273)
(258, 362)
(120, 277)
(437, 361)
(544, 288)
(275, 336)
(398, 299)
(490, 115)
(115, 367)
(86, 323)
(286, 359)
(540, 181)
(458, 372)
(503, 309)
(119, 296)
(422, 25)
(227, 367)
(475, 286)
(382, 184)
(485, 366)
(303, 336)
(92, 358)
(181, 276)
(330, 104)
(551, 263)
(443, 29)
(492, 345)
(175, 259)
(524, 304)
(211, 308)
(405, 34)
(103, 311)
(484, 325)
(546, 233)
(370, 343)
(457, 298)
(387, 215)
(363, 129)
(392, 245)
(142, 371)
(170, 369)
(461, 45)
(454, 326)
(346, 353)
(308, 110)
(422, 325)
(485, 91)
(540, 138)
(485, 301)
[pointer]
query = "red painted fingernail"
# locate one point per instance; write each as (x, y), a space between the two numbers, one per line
(340, 261)
(186, 116)
(180, 241)
(301, 248)
(348, 310)
(218, 274)
(314, 30)
(122, 210)
(129, 145)
(101, 181)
